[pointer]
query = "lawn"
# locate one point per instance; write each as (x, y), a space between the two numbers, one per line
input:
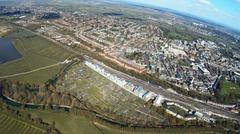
(228, 87)
(10, 125)
(37, 52)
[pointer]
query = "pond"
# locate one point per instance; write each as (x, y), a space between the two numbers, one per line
(7, 51)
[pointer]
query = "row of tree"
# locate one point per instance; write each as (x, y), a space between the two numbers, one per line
(36, 94)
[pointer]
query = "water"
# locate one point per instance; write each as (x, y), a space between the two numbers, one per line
(113, 14)
(7, 51)
(10, 102)
(30, 106)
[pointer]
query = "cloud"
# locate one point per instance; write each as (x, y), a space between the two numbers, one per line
(216, 9)
(207, 5)
(204, 2)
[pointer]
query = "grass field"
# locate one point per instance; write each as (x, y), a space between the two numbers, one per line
(228, 87)
(71, 124)
(10, 125)
(37, 52)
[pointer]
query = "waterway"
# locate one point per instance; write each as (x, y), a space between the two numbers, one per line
(15, 104)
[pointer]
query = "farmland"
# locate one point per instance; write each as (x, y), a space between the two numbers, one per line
(10, 125)
(37, 52)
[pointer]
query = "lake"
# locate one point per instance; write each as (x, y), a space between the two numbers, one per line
(7, 51)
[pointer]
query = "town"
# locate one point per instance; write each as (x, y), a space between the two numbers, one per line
(122, 66)
(193, 65)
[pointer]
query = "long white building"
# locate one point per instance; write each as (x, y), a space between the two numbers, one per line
(140, 92)
(134, 89)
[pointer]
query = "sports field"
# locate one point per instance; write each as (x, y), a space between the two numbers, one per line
(10, 125)
(37, 52)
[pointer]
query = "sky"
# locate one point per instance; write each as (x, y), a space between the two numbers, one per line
(225, 12)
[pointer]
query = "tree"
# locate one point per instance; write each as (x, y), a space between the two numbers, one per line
(39, 120)
(29, 116)
(17, 113)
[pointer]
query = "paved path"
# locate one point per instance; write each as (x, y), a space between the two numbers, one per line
(28, 72)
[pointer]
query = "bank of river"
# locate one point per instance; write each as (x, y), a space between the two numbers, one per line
(13, 103)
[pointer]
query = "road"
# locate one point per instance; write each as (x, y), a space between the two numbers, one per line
(168, 95)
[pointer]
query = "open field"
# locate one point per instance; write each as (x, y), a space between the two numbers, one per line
(228, 87)
(10, 125)
(37, 52)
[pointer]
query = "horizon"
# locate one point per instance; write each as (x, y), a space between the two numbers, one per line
(222, 13)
